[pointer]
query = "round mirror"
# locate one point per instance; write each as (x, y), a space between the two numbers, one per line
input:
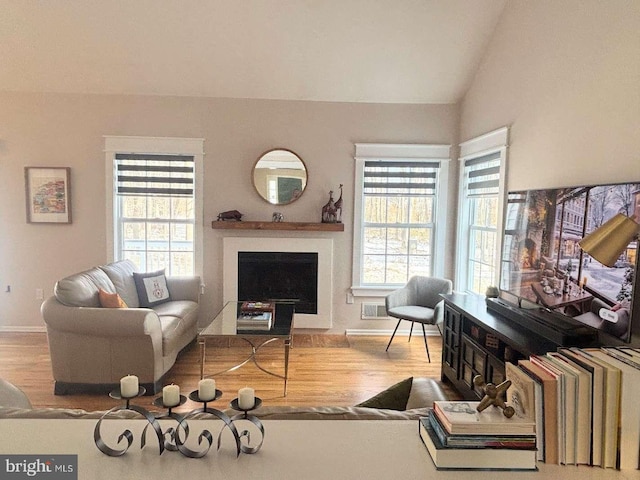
(279, 176)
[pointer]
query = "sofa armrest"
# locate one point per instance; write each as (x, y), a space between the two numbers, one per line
(101, 322)
(184, 288)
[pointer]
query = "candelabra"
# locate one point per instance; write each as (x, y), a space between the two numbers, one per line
(174, 438)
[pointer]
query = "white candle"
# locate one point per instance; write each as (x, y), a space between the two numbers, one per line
(129, 386)
(171, 395)
(246, 398)
(207, 389)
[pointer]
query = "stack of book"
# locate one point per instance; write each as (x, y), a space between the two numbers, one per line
(255, 316)
(457, 436)
(585, 401)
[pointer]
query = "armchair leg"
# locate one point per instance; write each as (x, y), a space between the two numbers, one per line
(393, 335)
(410, 332)
(426, 345)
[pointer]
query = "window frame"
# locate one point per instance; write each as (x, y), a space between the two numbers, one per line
(399, 152)
(154, 145)
(476, 148)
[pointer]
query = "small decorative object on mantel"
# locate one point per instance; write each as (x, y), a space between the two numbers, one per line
(339, 207)
(494, 395)
(277, 217)
(230, 215)
(329, 211)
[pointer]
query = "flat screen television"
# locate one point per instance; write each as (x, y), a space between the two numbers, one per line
(544, 268)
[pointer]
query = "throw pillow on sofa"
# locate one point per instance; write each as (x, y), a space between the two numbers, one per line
(152, 288)
(110, 300)
(393, 398)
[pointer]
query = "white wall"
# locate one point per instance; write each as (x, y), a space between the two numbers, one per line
(67, 130)
(565, 75)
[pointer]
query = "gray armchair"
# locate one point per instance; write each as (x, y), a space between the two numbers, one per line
(418, 301)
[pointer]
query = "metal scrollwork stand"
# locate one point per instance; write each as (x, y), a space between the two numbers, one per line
(251, 418)
(174, 438)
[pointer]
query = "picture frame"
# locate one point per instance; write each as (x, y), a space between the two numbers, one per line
(48, 194)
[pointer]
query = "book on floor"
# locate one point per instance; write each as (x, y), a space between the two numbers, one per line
(584, 409)
(462, 417)
(550, 407)
(566, 410)
(525, 396)
(596, 372)
(629, 443)
(454, 458)
(611, 408)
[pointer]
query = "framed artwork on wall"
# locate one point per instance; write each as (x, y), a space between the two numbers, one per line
(48, 194)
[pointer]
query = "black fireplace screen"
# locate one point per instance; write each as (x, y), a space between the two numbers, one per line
(279, 276)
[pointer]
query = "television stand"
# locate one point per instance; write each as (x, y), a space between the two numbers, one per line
(479, 339)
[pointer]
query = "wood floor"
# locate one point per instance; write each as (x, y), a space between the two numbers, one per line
(323, 370)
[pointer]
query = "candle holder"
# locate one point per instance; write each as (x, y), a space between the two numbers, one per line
(174, 438)
(126, 434)
(195, 397)
(117, 395)
(251, 418)
(206, 434)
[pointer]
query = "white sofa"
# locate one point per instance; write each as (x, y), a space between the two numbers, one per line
(92, 347)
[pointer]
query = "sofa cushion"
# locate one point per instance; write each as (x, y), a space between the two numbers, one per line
(393, 398)
(152, 288)
(110, 300)
(81, 289)
(121, 274)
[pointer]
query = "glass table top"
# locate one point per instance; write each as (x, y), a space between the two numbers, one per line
(226, 322)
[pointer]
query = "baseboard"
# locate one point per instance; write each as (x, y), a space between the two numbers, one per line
(430, 330)
(19, 329)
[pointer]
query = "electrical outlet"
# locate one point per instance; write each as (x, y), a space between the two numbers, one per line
(39, 294)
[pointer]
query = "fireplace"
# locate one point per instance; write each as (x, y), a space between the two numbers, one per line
(253, 266)
(280, 276)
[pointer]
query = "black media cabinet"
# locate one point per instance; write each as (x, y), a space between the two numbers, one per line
(479, 341)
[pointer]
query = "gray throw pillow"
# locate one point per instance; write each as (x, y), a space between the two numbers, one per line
(152, 288)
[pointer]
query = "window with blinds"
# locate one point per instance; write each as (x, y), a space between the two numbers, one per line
(155, 214)
(481, 198)
(399, 208)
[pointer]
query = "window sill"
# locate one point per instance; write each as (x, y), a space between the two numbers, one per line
(372, 291)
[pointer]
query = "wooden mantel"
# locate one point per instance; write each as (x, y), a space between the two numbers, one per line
(299, 226)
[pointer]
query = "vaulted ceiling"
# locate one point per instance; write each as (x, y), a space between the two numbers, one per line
(399, 51)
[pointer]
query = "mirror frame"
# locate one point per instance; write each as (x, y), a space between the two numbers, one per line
(255, 165)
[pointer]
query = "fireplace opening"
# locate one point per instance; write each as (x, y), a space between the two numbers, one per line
(279, 276)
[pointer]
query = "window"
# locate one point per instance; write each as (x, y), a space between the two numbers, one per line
(155, 204)
(399, 205)
(480, 212)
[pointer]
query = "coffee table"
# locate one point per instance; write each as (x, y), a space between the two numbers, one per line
(225, 325)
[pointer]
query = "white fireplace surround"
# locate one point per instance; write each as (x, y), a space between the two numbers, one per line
(322, 246)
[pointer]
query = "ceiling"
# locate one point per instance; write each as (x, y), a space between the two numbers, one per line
(388, 51)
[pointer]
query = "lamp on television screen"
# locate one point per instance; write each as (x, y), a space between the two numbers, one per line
(608, 241)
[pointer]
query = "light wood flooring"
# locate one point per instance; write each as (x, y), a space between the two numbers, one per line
(323, 370)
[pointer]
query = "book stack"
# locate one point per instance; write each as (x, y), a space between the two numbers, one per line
(585, 401)
(255, 316)
(457, 436)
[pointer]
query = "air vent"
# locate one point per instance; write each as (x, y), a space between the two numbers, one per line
(373, 310)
